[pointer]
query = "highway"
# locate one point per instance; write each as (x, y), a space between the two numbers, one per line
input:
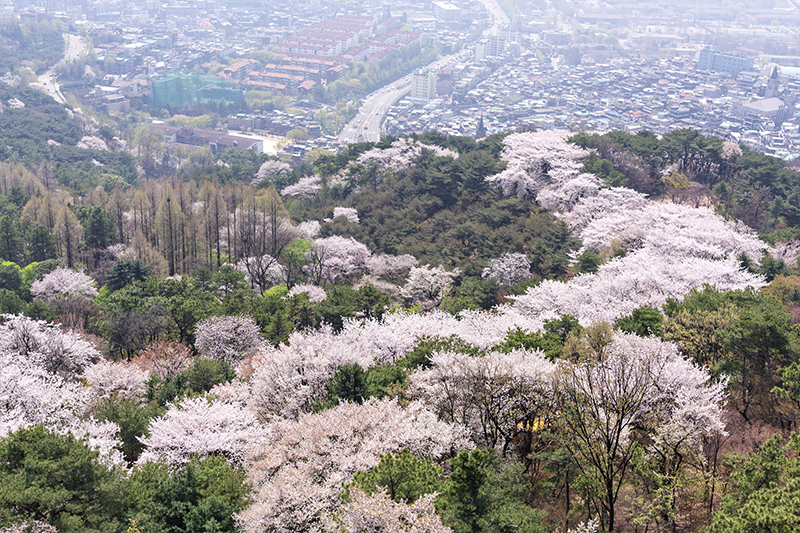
(74, 47)
(366, 125)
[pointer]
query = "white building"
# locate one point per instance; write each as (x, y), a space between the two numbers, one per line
(423, 84)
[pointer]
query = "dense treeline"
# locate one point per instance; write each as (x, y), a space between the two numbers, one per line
(32, 42)
(761, 190)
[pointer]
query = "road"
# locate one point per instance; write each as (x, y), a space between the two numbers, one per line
(366, 125)
(74, 47)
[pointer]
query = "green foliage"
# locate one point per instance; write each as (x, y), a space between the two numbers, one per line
(98, 226)
(199, 378)
(420, 356)
(765, 495)
(485, 494)
(588, 262)
(643, 321)
(37, 42)
(40, 244)
(551, 342)
(204, 374)
(133, 420)
(11, 241)
(604, 169)
(11, 279)
(404, 476)
(200, 497)
(518, 338)
(442, 212)
(759, 189)
(745, 335)
(348, 384)
(10, 302)
(385, 380)
(127, 271)
(58, 480)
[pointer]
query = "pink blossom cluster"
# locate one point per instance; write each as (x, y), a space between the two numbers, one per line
(308, 229)
(63, 282)
(316, 294)
(670, 248)
(402, 154)
(298, 474)
(41, 383)
(45, 345)
(655, 387)
(348, 213)
(540, 160)
(228, 338)
(645, 278)
(200, 426)
(509, 269)
(334, 257)
(491, 395)
(378, 512)
(308, 187)
(34, 526)
(107, 378)
(389, 266)
(92, 142)
(428, 285)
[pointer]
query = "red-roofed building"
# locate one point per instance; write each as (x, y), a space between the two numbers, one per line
(238, 70)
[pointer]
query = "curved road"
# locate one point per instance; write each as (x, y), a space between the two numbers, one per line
(367, 122)
(73, 48)
(366, 125)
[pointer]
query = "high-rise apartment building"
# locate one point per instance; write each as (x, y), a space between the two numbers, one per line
(708, 59)
(423, 84)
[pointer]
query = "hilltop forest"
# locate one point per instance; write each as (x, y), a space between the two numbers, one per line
(535, 331)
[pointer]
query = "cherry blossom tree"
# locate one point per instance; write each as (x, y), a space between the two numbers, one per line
(429, 285)
(63, 283)
(33, 526)
(316, 294)
(106, 379)
(378, 512)
(334, 257)
(92, 142)
(494, 395)
(200, 426)
(309, 229)
(32, 395)
(307, 187)
(730, 149)
(349, 213)
(65, 353)
(271, 170)
(228, 338)
(563, 196)
(402, 154)
(646, 278)
(535, 160)
(390, 266)
(164, 358)
(298, 474)
(263, 271)
(509, 269)
(634, 386)
(286, 380)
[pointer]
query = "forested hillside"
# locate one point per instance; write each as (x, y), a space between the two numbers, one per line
(33, 43)
(428, 333)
